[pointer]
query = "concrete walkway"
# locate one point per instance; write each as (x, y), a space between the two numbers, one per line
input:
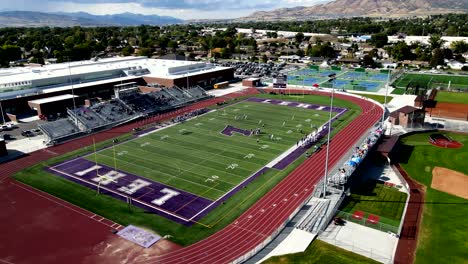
(362, 240)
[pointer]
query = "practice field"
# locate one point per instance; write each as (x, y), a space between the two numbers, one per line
(349, 80)
(432, 81)
(182, 171)
(444, 228)
(452, 97)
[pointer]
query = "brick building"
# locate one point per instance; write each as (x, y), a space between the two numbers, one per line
(408, 116)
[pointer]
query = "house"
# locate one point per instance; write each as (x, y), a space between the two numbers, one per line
(407, 116)
(455, 65)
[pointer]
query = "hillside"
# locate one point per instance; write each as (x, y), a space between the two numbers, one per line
(372, 8)
(39, 19)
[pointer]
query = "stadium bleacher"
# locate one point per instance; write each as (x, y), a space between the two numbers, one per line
(116, 111)
(59, 128)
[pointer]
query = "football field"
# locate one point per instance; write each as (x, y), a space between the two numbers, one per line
(184, 169)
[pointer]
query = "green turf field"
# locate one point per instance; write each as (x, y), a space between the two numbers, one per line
(443, 234)
(375, 198)
(452, 97)
(321, 253)
(187, 155)
(434, 80)
(398, 91)
(221, 216)
(376, 97)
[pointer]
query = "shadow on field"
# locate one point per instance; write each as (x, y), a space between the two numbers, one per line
(402, 153)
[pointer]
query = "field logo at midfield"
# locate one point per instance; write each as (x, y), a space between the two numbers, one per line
(230, 130)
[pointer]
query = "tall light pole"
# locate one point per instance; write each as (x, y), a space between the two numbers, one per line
(73, 92)
(386, 94)
(332, 80)
(1, 112)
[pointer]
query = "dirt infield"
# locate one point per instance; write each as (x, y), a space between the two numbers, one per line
(450, 110)
(450, 181)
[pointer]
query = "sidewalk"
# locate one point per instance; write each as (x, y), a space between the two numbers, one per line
(362, 240)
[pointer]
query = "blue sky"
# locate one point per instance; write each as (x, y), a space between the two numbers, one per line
(185, 9)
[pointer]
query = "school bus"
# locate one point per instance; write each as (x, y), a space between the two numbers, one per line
(221, 85)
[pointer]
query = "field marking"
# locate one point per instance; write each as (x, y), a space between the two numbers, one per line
(217, 153)
(197, 175)
(161, 173)
(195, 198)
(175, 158)
(120, 194)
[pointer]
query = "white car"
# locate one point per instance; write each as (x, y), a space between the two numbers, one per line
(11, 125)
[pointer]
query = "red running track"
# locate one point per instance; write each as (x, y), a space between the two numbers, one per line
(258, 223)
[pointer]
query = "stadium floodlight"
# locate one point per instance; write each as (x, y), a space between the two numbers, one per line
(385, 99)
(332, 80)
(1, 112)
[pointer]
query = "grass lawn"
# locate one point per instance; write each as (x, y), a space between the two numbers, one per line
(444, 227)
(218, 218)
(452, 97)
(372, 197)
(321, 253)
(398, 91)
(434, 80)
(376, 97)
(187, 155)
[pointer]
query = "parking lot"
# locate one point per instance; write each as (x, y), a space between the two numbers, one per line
(16, 133)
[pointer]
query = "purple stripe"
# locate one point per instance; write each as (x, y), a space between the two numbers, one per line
(295, 104)
(184, 204)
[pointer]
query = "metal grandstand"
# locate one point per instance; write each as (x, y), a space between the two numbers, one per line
(128, 105)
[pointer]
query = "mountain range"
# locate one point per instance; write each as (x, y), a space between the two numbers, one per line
(39, 19)
(370, 8)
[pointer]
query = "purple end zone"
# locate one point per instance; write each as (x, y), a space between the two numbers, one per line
(230, 130)
(296, 104)
(180, 207)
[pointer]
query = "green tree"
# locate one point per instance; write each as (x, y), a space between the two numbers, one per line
(436, 41)
(299, 37)
(379, 40)
(128, 50)
(401, 51)
(459, 46)
(437, 57)
(368, 61)
(145, 52)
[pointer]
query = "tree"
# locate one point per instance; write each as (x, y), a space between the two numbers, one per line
(145, 52)
(437, 57)
(436, 41)
(299, 37)
(368, 61)
(128, 50)
(264, 58)
(459, 46)
(401, 51)
(379, 40)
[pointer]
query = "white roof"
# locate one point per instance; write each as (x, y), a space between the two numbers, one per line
(165, 69)
(159, 68)
(53, 99)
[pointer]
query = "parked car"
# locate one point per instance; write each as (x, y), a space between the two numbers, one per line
(27, 133)
(11, 125)
(7, 137)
